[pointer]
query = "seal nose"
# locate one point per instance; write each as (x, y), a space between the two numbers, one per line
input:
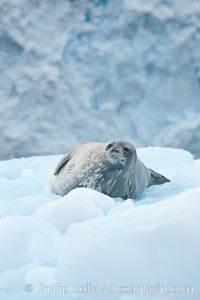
(115, 149)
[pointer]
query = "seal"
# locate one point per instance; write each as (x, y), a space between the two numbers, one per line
(112, 168)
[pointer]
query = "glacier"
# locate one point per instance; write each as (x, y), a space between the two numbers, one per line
(50, 244)
(79, 71)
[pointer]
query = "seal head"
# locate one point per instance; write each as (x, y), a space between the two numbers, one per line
(119, 154)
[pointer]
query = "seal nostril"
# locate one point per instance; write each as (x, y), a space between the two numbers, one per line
(114, 150)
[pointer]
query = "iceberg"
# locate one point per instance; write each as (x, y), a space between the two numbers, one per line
(87, 245)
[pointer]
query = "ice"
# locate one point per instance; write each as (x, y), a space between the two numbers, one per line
(15, 278)
(40, 274)
(87, 237)
(151, 243)
(77, 206)
(113, 69)
(25, 240)
(27, 205)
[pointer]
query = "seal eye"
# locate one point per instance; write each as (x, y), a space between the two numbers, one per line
(109, 146)
(126, 149)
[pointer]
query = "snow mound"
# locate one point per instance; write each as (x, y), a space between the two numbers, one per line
(87, 245)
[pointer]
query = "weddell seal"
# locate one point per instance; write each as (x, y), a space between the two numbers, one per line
(112, 168)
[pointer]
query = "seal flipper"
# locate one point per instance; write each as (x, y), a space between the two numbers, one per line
(63, 162)
(157, 178)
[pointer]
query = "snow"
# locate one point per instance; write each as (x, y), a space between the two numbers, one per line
(79, 71)
(87, 237)
(30, 238)
(157, 243)
(70, 209)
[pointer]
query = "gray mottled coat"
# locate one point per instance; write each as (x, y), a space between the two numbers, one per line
(112, 168)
